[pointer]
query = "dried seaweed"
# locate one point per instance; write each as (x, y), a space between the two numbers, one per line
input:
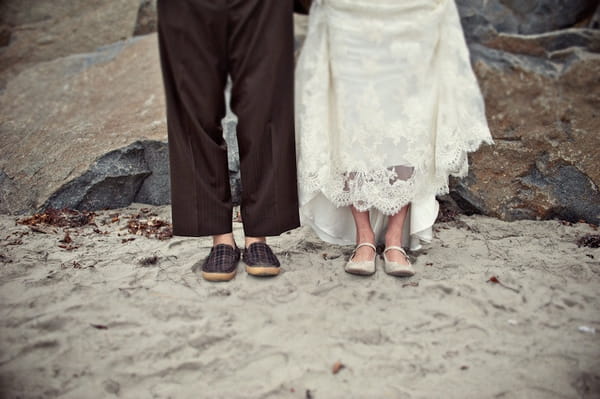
(149, 261)
(447, 215)
(589, 240)
(153, 228)
(59, 218)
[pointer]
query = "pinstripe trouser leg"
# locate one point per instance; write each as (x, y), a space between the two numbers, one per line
(202, 42)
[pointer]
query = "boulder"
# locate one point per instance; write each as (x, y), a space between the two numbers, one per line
(595, 20)
(146, 18)
(64, 122)
(554, 46)
(545, 121)
(483, 19)
(136, 173)
(35, 31)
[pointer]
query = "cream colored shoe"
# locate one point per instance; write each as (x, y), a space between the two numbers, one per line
(395, 268)
(363, 268)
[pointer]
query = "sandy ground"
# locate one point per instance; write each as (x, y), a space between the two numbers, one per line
(95, 321)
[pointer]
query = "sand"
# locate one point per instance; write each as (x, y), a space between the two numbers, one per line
(95, 321)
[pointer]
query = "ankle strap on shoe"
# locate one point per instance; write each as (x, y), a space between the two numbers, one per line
(366, 244)
(396, 248)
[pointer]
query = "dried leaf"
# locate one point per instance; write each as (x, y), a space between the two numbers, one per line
(60, 218)
(99, 326)
(153, 228)
(67, 238)
(68, 247)
(337, 367)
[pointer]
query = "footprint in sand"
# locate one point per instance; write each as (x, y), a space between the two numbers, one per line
(53, 324)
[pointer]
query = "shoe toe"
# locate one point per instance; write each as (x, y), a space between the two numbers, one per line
(362, 268)
(398, 269)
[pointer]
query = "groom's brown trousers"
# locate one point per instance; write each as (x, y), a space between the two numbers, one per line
(201, 43)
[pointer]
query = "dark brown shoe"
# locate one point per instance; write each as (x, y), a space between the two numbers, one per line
(260, 260)
(221, 263)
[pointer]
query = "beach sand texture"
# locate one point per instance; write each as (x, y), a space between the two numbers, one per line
(134, 319)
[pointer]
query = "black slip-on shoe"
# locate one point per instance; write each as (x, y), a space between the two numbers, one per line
(221, 263)
(260, 260)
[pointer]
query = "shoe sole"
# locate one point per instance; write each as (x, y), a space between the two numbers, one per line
(359, 272)
(218, 276)
(262, 270)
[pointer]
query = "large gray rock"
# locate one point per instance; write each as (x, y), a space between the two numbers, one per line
(58, 120)
(233, 152)
(544, 119)
(551, 46)
(136, 173)
(595, 20)
(36, 31)
(483, 19)
(146, 18)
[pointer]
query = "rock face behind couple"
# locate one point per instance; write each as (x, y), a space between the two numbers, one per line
(82, 121)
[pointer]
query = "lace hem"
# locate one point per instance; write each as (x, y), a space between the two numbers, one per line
(382, 189)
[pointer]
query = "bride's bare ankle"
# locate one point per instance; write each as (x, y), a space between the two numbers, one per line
(393, 238)
(365, 237)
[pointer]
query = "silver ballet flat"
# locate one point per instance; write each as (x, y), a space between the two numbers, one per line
(363, 268)
(395, 268)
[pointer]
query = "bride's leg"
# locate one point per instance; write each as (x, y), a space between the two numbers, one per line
(393, 236)
(364, 233)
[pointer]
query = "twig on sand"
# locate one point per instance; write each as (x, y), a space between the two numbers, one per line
(99, 326)
(496, 280)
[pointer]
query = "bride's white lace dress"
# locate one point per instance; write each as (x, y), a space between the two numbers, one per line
(387, 106)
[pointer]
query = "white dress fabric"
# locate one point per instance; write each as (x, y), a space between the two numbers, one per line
(387, 107)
